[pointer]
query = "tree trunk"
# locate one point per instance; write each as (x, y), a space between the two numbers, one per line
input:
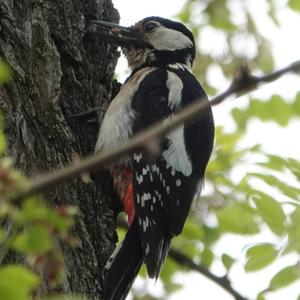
(60, 71)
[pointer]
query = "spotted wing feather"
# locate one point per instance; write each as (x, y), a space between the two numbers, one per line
(164, 186)
(160, 211)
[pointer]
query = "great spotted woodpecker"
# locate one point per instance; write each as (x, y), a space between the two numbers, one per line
(156, 193)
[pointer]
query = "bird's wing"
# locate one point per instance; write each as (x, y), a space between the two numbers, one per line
(164, 185)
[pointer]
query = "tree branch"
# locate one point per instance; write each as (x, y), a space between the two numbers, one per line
(223, 282)
(243, 82)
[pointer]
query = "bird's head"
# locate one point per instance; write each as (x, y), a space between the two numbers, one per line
(152, 41)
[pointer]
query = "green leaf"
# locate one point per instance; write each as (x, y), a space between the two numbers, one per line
(261, 296)
(285, 277)
(228, 141)
(227, 261)
(207, 257)
(171, 287)
(1, 234)
(240, 116)
(16, 282)
(260, 256)
(186, 246)
(265, 58)
(61, 223)
(294, 4)
(193, 230)
(271, 212)
(5, 72)
(295, 217)
(294, 240)
(274, 162)
(25, 278)
(296, 104)
(143, 271)
(257, 108)
(211, 235)
(275, 109)
(280, 109)
(184, 15)
(169, 268)
(34, 209)
(237, 219)
(65, 297)
(294, 167)
(294, 231)
(289, 190)
(9, 292)
(2, 142)
(220, 16)
(34, 240)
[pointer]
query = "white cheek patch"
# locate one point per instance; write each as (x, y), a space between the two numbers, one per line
(168, 39)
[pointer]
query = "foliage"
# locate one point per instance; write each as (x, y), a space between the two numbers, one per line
(5, 72)
(274, 109)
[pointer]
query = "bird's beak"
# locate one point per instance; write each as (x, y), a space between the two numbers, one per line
(123, 36)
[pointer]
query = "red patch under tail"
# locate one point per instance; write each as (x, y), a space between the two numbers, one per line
(124, 187)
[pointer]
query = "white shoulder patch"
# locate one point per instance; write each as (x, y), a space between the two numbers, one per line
(175, 86)
(176, 155)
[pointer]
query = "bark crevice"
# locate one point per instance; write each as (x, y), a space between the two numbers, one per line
(59, 71)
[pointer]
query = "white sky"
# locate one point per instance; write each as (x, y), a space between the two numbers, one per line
(286, 47)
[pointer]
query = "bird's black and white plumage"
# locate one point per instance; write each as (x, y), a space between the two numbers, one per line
(160, 53)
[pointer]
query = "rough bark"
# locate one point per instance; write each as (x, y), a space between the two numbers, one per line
(60, 71)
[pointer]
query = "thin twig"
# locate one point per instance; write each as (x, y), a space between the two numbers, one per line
(223, 282)
(242, 83)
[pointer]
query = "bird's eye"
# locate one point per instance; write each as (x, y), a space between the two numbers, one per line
(150, 26)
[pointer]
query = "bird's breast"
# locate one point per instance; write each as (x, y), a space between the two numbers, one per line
(117, 125)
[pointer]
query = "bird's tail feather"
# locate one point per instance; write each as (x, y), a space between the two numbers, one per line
(123, 266)
(164, 252)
